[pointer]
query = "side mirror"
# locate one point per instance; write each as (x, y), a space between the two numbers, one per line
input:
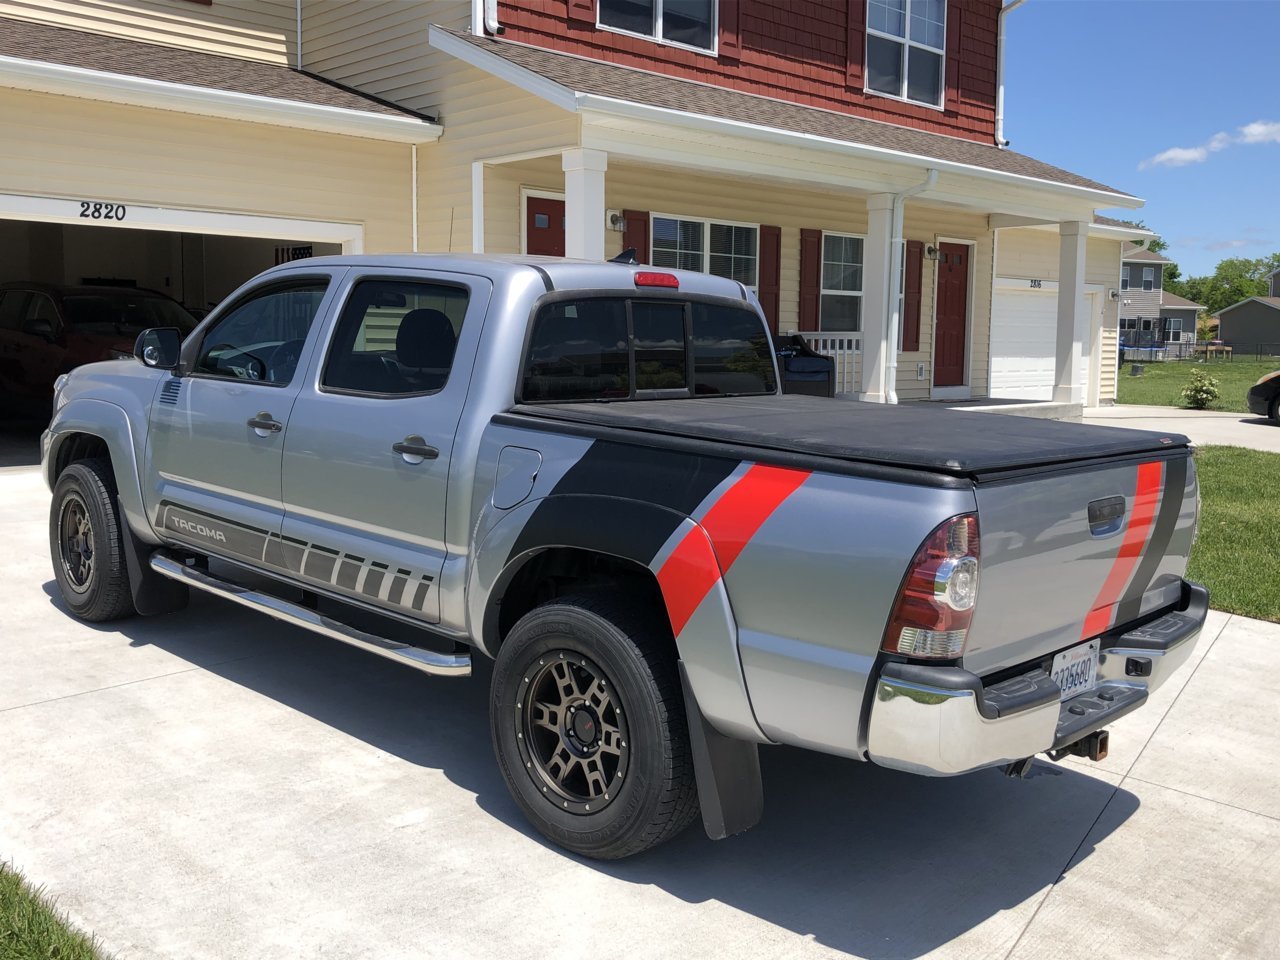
(42, 329)
(159, 347)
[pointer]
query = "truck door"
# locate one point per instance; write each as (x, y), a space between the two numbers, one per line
(366, 465)
(217, 432)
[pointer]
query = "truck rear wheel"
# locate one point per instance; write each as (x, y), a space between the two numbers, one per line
(589, 727)
(86, 543)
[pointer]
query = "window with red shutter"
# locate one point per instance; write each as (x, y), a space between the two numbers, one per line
(810, 278)
(912, 270)
(770, 287)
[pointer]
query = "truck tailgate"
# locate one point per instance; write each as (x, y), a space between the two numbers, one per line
(1068, 554)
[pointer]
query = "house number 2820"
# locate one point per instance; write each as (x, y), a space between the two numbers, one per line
(96, 210)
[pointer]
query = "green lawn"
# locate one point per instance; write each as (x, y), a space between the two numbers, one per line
(1161, 383)
(1235, 555)
(31, 929)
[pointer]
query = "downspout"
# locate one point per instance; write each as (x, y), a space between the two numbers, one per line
(298, 54)
(897, 257)
(1001, 142)
(413, 192)
(491, 24)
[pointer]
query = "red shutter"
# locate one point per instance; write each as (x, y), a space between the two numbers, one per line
(951, 99)
(911, 296)
(730, 41)
(582, 10)
(810, 278)
(856, 42)
(636, 233)
(769, 289)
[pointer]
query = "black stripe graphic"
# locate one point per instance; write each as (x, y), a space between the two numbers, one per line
(1175, 491)
(662, 488)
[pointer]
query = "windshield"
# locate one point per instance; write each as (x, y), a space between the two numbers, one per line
(125, 311)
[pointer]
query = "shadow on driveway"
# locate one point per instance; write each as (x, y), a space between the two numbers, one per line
(19, 444)
(862, 859)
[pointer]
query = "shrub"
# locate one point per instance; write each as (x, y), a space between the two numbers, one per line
(1201, 390)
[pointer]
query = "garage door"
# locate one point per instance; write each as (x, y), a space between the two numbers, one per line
(1024, 340)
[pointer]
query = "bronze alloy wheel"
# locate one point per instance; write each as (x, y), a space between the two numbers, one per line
(75, 541)
(572, 732)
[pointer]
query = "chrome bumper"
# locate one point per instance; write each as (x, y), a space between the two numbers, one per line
(942, 721)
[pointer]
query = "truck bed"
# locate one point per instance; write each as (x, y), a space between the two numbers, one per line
(918, 436)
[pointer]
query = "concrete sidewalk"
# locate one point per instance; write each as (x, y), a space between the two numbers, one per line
(214, 784)
(1202, 426)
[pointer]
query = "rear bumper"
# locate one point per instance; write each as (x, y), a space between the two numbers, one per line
(1259, 403)
(942, 721)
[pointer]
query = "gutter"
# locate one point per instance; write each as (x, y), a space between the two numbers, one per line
(897, 258)
(42, 77)
(1001, 142)
(491, 24)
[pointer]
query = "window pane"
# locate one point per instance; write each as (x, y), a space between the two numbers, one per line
(841, 312)
(841, 263)
(887, 16)
(659, 340)
(688, 21)
(732, 352)
(633, 15)
(884, 66)
(733, 253)
(578, 351)
(261, 338)
(677, 243)
(928, 22)
(924, 76)
(396, 337)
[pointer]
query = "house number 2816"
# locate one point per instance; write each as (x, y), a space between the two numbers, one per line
(96, 210)
(1037, 284)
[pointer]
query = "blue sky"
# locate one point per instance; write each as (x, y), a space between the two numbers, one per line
(1174, 101)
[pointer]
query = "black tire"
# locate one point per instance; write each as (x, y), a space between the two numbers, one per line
(1273, 409)
(86, 543)
(642, 791)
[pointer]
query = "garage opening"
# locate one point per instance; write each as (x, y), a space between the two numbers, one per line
(69, 292)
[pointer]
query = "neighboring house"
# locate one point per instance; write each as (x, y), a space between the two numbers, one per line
(843, 160)
(1178, 318)
(1142, 298)
(1253, 325)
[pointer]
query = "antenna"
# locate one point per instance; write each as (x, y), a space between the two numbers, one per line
(627, 257)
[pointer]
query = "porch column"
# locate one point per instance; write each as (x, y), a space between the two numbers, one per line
(584, 209)
(1073, 313)
(877, 257)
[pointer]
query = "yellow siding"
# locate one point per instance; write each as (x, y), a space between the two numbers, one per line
(251, 29)
(181, 160)
(1033, 254)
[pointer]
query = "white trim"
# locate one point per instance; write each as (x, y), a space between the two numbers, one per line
(657, 37)
(69, 81)
(907, 44)
(965, 390)
(413, 191)
(143, 217)
(477, 206)
(576, 102)
(1126, 279)
(525, 194)
(706, 240)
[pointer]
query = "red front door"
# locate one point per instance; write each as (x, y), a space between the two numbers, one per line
(544, 227)
(951, 318)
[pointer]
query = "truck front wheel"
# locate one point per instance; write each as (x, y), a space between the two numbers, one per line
(86, 543)
(589, 727)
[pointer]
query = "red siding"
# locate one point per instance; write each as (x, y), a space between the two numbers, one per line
(796, 50)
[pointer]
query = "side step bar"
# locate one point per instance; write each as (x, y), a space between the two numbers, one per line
(428, 661)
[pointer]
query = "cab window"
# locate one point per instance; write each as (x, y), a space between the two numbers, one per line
(261, 337)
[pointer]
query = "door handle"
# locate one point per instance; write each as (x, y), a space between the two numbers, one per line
(415, 449)
(264, 424)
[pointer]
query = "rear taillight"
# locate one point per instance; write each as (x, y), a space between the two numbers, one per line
(649, 279)
(935, 605)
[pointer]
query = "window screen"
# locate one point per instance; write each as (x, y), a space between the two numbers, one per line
(396, 337)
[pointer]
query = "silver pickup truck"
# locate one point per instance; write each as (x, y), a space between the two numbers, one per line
(586, 472)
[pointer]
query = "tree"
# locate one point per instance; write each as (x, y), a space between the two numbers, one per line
(1233, 280)
(1156, 244)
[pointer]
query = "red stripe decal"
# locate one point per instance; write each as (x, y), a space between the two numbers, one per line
(1146, 494)
(696, 564)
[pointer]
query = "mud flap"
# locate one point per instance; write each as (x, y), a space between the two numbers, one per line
(152, 593)
(730, 789)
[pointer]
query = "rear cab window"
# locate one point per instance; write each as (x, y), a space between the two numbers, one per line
(602, 348)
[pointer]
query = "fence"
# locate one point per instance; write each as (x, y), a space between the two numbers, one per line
(844, 349)
(1197, 350)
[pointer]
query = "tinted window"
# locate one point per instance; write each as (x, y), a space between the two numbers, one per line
(261, 337)
(584, 350)
(42, 316)
(396, 337)
(125, 311)
(12, 309)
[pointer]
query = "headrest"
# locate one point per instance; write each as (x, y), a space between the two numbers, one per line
(425, 339)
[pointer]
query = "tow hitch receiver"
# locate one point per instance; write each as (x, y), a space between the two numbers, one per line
(1094, 746)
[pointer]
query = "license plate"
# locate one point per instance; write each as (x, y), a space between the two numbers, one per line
(1076, 670)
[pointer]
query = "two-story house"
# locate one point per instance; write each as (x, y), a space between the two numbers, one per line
(1141, 300)
(1253, 325)
(845, 160)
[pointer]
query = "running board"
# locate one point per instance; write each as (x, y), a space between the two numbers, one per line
(428, 661)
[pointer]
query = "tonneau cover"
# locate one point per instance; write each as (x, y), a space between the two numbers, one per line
(921, 436)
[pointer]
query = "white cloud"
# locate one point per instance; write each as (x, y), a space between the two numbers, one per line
(1260, 131)
(1227, 245)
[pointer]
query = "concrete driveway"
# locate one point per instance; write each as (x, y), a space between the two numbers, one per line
(214, 784)
(1202, 426)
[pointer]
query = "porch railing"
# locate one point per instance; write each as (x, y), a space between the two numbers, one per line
(844, 349)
